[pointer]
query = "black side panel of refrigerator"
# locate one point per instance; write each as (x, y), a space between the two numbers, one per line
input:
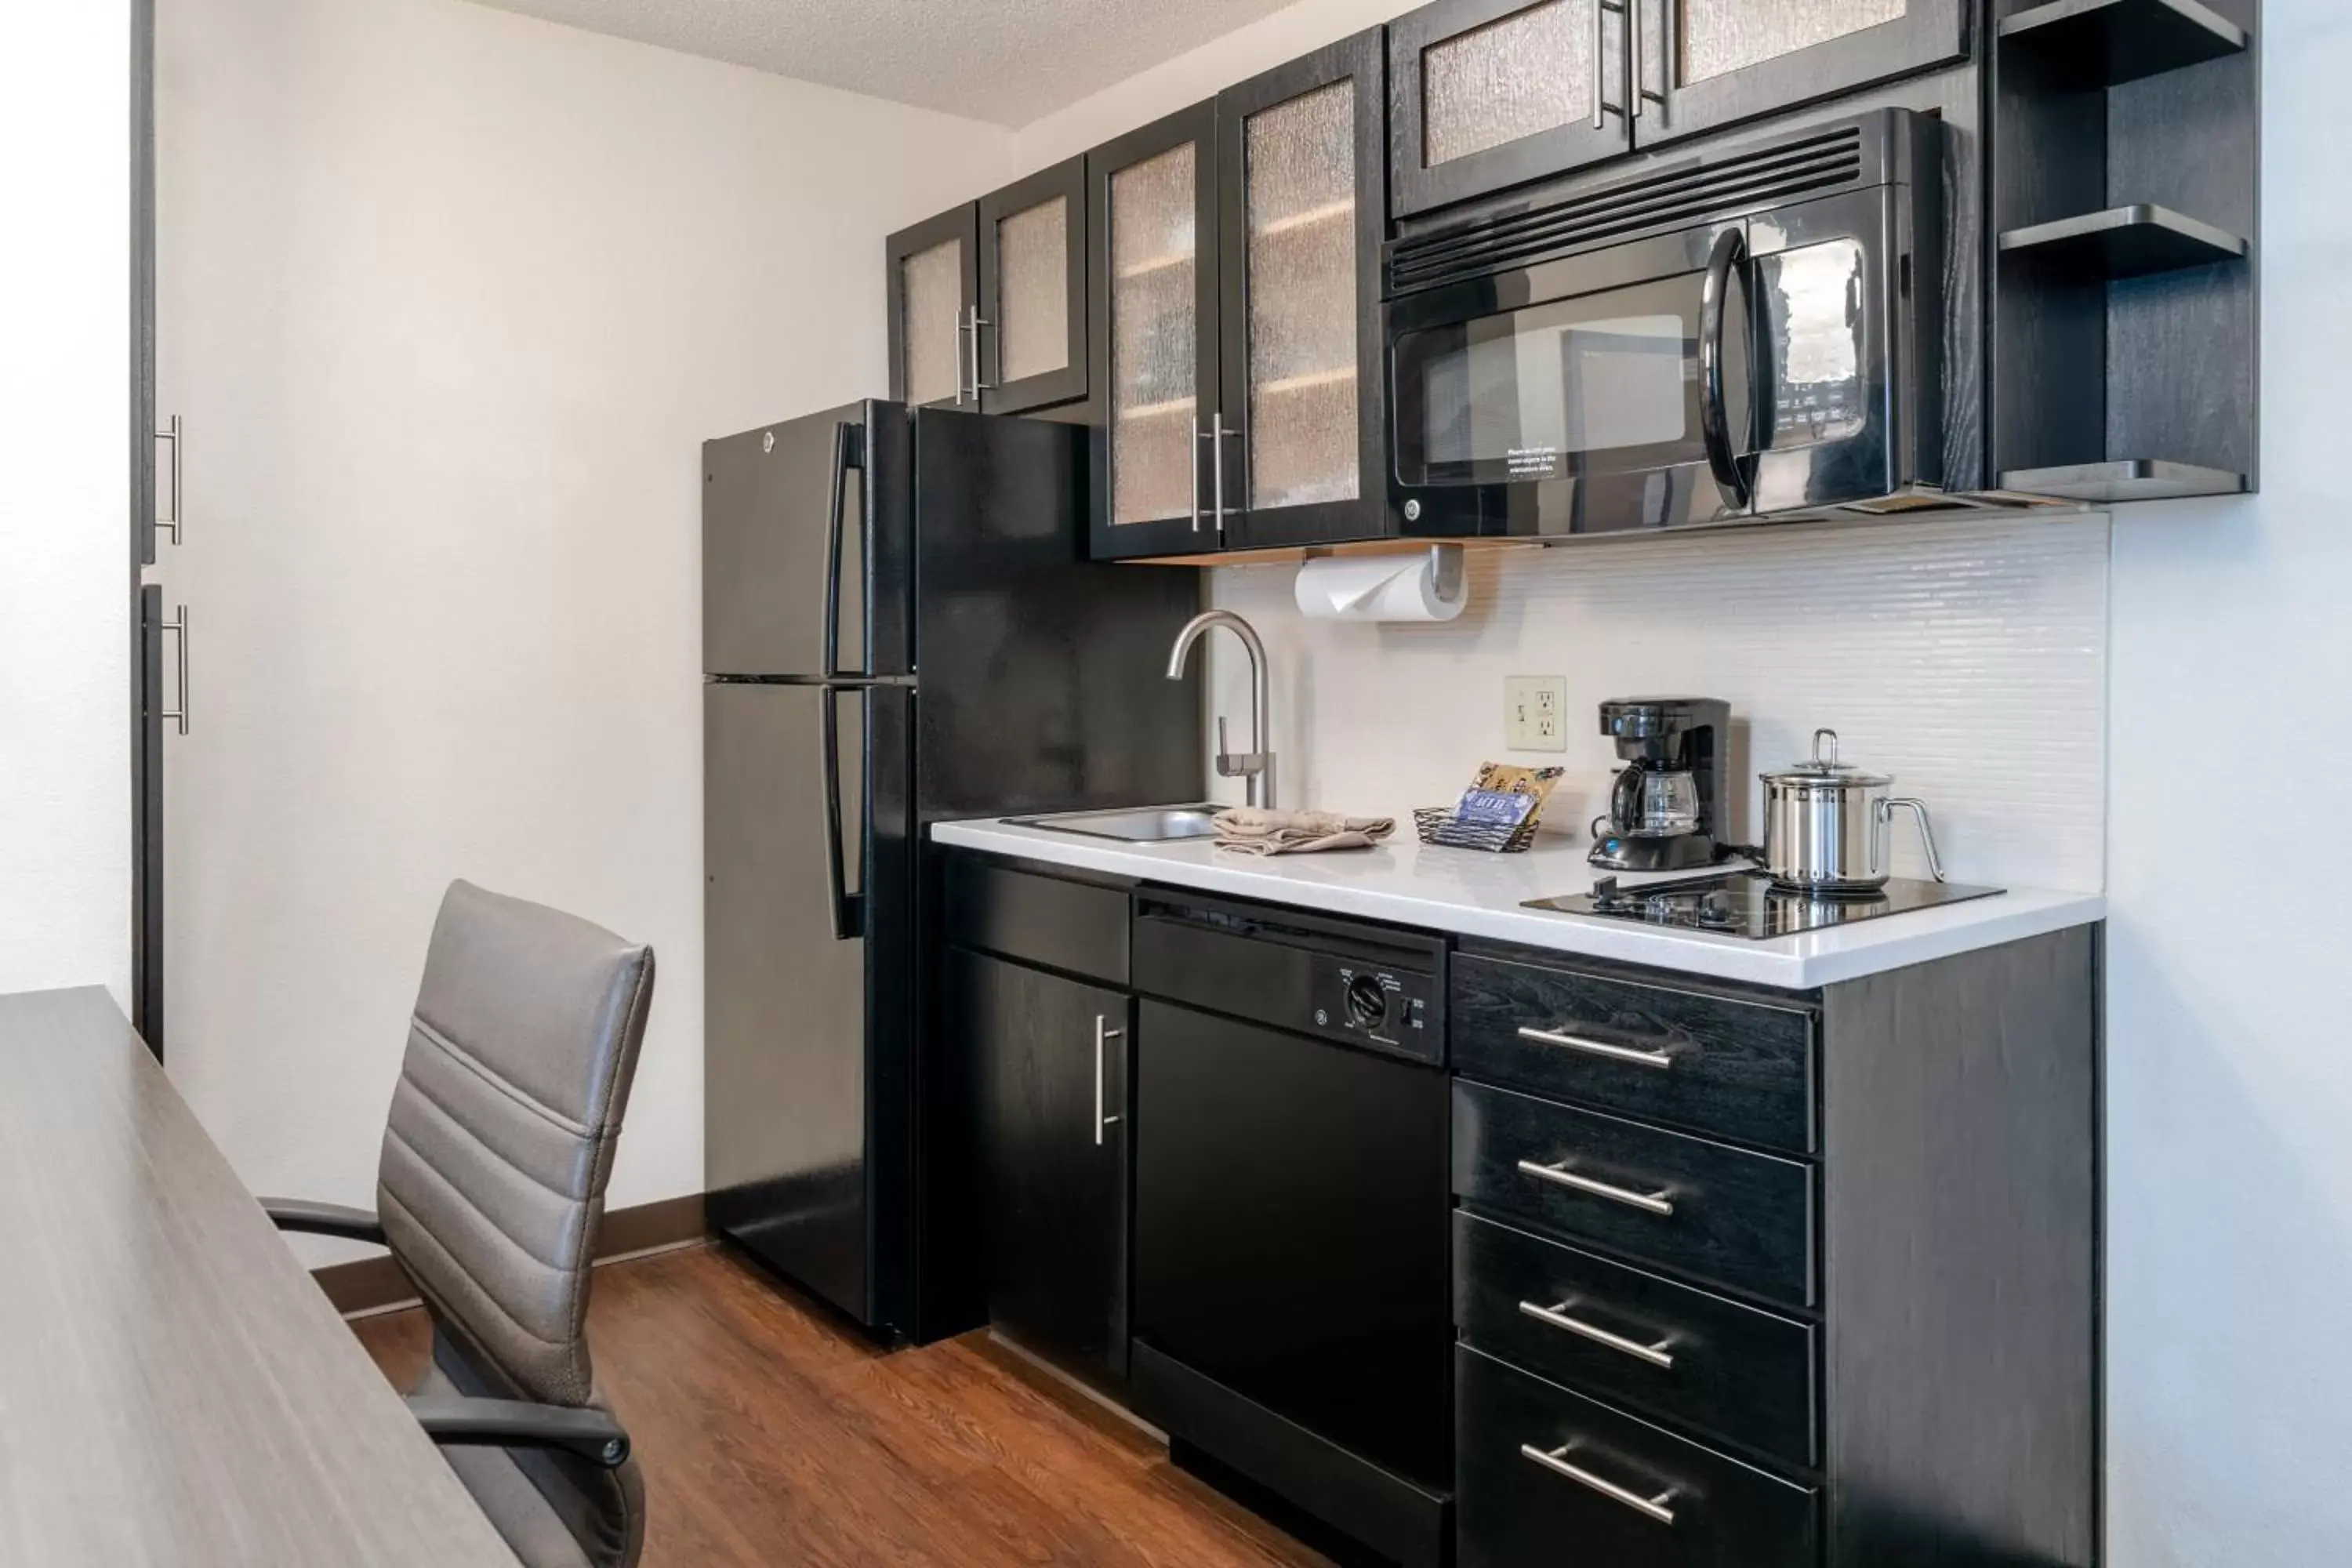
(1043, 686)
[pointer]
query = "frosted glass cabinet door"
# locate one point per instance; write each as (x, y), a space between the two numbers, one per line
(932, 290)
(1152, 271)
(1493, 93)
(1032, 292)
(1300, 173)
(1707, 63)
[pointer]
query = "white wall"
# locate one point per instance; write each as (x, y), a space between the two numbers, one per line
(1967, 657)
(2228, 1057)
(65, 506)
(449, 298)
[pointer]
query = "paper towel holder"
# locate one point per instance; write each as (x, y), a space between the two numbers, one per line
(1446, 566)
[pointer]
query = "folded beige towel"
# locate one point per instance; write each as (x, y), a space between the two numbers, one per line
(1250, 830)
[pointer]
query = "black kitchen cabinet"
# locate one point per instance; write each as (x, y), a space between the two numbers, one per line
(1234, 285)
(988, 301)
(932, 289)
(1492, 94)
(1487, 94)
(1048, 1058)
(1704, 64)
(1684, 1350)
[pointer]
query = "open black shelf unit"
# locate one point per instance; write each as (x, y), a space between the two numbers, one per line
(2105, 43)
(2126, 341)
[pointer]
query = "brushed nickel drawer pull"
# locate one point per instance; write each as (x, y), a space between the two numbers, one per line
(1656, 1354)
(1640, 1058)
(1555, 1461)
(1560, 1175)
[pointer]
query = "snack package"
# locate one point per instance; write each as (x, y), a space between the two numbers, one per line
(1503, 795)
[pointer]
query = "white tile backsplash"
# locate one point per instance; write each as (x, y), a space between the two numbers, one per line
(1968, 657)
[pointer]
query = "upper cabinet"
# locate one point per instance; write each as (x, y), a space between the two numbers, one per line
(1489, 94)
(1493, 93)
(1234, 278)
(934, 291)
(1708, 63)
(988, 302)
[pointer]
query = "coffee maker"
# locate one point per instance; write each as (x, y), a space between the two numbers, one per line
(1667, 810)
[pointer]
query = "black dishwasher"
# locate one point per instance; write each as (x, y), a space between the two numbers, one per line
(1291, 1310)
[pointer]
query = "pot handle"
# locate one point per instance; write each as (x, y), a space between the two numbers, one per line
(1919, 808)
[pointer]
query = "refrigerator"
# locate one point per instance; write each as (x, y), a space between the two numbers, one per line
(899, 627)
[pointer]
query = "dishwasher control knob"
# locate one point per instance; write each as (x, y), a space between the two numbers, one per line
(1368, 1005)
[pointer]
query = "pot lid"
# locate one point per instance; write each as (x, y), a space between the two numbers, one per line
(1825, 768)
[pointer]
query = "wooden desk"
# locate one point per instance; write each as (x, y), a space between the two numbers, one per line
(173, 1388)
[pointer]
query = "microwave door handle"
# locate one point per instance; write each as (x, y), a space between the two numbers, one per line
(1715, 414)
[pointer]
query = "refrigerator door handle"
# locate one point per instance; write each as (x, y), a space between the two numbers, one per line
(848, 453)
(848, 908)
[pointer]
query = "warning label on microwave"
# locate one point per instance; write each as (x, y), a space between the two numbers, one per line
(1532, 462)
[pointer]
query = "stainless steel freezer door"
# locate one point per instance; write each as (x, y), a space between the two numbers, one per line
(768, 497)
(785, 1055)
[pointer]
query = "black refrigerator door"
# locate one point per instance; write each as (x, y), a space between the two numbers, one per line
(1044, 675)
(803, 546)
(806, 899)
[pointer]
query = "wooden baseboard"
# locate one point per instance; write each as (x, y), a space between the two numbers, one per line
(377, 1285)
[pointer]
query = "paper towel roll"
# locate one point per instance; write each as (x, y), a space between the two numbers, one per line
(1382, 587)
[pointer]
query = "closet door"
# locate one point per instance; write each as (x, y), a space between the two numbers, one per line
(1151, 239)
(1031, 344)
(1708, 63)
(1301, 166)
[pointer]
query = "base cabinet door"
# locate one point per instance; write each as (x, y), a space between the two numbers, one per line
(1050, 1073)
(1703, 64)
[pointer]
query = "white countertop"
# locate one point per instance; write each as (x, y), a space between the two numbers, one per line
(1467, 892)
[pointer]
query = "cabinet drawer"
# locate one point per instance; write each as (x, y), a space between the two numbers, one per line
(1079, 927)
(1739, 1070)
(1627, 1335)
(1705, 1208)
(1544, 1475)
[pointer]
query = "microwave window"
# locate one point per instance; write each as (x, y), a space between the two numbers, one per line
(1554, 389)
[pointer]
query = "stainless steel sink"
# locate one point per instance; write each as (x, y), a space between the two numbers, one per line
(1132, 824)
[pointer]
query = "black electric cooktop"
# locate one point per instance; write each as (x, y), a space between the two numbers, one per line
(1750, 904)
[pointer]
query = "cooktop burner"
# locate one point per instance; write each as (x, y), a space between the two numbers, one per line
(1750, 904)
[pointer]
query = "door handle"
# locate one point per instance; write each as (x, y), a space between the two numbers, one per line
(1602, 11)
(178, 626)
(1559, 1175)
(1669, 25)
(1597, 1047)
(1103, 1034)
(963, 325)
(848, 908)
(978, 386)
(1715, 414)
(1557, 1317)
(1195, 455)
(174, 434)
(848, 454)
(1218, 431)
(1556, 1461)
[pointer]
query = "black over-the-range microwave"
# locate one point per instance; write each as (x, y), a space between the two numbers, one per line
(1752, 333)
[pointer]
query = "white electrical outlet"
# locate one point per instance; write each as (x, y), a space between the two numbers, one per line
(1534, 707)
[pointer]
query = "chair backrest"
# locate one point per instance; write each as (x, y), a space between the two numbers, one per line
(491, 1186)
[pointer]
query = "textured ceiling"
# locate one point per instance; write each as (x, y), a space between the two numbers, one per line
(1008, 61)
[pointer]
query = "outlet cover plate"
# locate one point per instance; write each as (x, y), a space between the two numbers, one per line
(1535, 709)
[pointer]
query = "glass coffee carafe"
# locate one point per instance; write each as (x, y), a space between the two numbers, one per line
(1654, 802)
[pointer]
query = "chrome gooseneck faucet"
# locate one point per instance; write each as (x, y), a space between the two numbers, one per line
(1257, 764)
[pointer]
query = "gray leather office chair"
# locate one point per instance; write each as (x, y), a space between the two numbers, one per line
(490, 1191)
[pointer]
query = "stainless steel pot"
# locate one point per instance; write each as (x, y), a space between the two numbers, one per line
(1827, 826)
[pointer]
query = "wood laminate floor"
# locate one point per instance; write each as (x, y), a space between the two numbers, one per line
(770, 1432)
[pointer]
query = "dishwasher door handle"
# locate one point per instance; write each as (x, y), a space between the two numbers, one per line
(1104, 1033)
